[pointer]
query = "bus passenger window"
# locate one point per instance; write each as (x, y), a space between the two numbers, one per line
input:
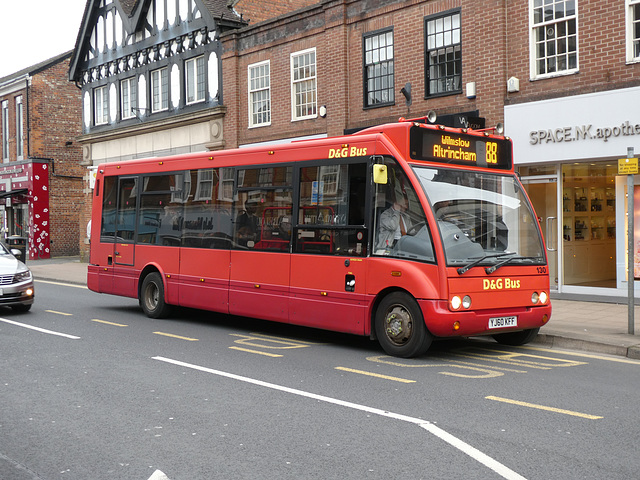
(331, 215)
(263, 209)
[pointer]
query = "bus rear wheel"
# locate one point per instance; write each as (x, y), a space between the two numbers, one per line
(400, 327)
(152, 297)
(515, 339)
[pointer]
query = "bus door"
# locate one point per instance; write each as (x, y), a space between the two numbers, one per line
(124, 246)
(328, 266)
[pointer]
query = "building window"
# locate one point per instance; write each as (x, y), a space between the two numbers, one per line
(633, 30)
(128, 98)
(160, 90)
(19, 128)
(303, 84)
(5, 130)
(553, 38)
(260, 94)
(444, 54)
(378, 69)
(101, 105)
(195, 80)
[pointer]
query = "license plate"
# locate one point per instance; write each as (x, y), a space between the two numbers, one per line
(502, 322)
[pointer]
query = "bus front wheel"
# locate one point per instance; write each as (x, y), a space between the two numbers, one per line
(400, 326)
(515, 339)
(152, 297)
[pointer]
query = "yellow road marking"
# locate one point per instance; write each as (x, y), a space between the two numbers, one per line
(264, 341)
(377, 375)
(264, 335)
(176, 336)
(256, 351)
(109, 323)
(584, 355)
(542, 407)
(60, 313)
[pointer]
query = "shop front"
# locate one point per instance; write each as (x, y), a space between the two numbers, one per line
(24, 206)
(566, 151)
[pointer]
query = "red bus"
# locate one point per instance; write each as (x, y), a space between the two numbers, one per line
(402, 232)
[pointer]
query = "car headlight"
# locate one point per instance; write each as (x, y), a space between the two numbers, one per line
(22, 276)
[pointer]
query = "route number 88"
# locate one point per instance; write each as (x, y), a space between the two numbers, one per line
(492, 152)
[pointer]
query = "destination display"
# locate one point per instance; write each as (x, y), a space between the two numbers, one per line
(460, 149)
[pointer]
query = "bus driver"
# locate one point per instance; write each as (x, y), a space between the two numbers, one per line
(394, 222)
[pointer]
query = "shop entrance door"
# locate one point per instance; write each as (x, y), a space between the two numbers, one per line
(543, 192)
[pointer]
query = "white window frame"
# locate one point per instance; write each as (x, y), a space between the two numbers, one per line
(630, 6)
(299, 81)
(101, 105)
(259, 85)
(128, 98)
(5, 130)
(204, 187)
(160, 90)
(195, 78)
(19, 128)
(533, 71)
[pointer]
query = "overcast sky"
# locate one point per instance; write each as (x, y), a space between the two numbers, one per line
(35, 30)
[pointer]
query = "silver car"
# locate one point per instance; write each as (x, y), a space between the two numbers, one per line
(16, 281)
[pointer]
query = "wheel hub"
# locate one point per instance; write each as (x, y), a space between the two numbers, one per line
(398, 325)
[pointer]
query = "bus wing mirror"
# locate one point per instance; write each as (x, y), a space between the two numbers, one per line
(380, 174)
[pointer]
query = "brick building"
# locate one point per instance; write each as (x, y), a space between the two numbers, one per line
(562, 75)
(40, 176)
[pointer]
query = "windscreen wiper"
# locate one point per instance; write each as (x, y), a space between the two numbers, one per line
(466, 268)
(493, 268)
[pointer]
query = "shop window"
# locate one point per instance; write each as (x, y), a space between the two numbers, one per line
(589, 224)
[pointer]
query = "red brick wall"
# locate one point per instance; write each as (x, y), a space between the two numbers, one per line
(335, 28)
(256, 11)
(601, 53)
(52, 116)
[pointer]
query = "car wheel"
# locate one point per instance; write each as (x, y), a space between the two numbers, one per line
(21, 308)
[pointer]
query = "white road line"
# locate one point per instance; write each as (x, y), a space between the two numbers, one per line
(474, 453)
(74, 285)
(38, 329)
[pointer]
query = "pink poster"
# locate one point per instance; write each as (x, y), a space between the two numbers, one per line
(636, 232)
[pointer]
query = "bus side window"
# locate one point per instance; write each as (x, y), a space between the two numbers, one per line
(109, 204)
(331, 215)
(263, 208)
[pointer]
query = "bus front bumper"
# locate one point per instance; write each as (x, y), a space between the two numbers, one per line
(443, 322)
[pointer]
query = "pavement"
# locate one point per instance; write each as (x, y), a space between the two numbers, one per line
(594, 326)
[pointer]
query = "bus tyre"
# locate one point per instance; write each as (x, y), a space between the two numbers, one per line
(400, 326)
(516, 338)
(152, 297)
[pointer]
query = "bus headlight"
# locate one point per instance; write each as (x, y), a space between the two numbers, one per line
(535, 298)
(543, 297)
(466, 301)
(456, 302)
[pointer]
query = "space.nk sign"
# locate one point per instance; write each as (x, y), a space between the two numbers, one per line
(582, 132)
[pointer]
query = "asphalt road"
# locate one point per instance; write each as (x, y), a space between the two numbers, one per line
(99, 391)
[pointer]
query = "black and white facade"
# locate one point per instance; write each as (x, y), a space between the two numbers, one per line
(150, 74)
